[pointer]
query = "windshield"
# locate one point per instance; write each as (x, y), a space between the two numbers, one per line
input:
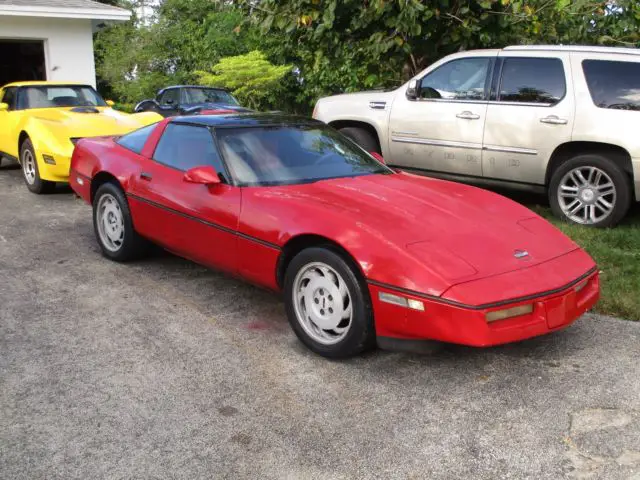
(292, 154)
(208, 95)
(43, 96)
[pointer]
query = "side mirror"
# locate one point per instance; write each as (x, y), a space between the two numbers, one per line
(202, 175)
(378, 157)
(111, 103)
(412, 89)
(169, 101)
(4, 107)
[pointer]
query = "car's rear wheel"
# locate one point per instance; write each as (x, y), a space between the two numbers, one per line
(362, 137)
(30, 171)
(113, 225)
(590, 189)
(328, 305)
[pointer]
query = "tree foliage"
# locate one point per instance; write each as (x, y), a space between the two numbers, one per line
(347, 45)
(137, 58)
(255, 81)
(341, 45)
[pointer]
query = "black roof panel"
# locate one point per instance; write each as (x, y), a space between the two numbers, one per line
(246, 120)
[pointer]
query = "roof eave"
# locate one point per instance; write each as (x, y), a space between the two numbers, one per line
(114, 14)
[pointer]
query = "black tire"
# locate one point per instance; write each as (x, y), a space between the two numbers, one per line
(362, 137)
(132, 246)
(361, 334)
(620, 180)
(33, 181)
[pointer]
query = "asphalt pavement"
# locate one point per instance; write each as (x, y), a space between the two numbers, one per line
(164, 369)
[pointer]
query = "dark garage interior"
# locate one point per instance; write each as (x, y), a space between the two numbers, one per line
(21, 60)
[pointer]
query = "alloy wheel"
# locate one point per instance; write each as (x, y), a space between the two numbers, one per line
(110, 222)
(322, 303)
(587, 195)
(29, 166)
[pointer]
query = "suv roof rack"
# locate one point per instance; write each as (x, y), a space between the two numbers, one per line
(575, 48)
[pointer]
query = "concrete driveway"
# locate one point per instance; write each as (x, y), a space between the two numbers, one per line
(164, 369)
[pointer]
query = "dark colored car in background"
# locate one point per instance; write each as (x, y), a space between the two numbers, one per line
(190, 99)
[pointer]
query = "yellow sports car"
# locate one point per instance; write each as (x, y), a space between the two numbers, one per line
(41, 121)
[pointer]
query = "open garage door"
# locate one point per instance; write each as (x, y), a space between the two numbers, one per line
(21, 60)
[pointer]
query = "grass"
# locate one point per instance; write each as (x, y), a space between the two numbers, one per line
(617, 252)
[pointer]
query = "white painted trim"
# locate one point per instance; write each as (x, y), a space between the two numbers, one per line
(117, 14)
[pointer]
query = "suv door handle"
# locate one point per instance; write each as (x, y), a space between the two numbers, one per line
(146, 176)
(467, 115)
(554, 120)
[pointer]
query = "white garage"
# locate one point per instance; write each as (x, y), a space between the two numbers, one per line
(51, 39)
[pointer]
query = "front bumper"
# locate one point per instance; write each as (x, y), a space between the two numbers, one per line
(467, 325)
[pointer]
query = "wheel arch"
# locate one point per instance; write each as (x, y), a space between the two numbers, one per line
(301, 242)
(21, 139)
(568, 150)
(338, 124)
(100, 179)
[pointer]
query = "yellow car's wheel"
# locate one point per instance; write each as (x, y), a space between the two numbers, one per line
(30, 171)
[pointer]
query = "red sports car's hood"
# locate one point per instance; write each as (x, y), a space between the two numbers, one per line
(461, 232)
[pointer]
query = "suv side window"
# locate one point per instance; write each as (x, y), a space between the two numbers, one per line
(532, 80)
(187, 146)
(9, 97)
(613, 84)
(461, 79)
(170, 97)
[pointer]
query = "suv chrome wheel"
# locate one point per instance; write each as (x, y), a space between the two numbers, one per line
(322, 303)
(587, 195)
(110, 223)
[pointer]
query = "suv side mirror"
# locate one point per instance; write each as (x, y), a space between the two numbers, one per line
(202, 175)
(412, 89)
(4, 107)
(168, 101)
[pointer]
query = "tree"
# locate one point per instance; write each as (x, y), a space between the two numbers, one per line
(251, 77)
(137, 58)
(347, 45)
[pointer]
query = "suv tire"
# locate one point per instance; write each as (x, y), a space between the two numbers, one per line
(590, 189)
(362, 137)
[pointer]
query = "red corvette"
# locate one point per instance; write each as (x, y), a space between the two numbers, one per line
(361, 252)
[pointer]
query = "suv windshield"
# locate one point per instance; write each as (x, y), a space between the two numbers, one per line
(45, 96)
(208, 95)
(613, 84)
(292, 154)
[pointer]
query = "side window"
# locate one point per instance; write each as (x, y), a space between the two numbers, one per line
(9, 97)
(135, 140)
(532, 80)
(462, 79)
(187, 146)
(613, 84)
(170, 97)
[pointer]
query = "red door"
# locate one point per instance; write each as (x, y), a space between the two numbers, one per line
(196, 221)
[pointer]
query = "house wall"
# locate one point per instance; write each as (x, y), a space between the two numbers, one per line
(68, 45)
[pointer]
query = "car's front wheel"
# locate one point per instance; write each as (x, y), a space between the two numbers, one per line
(30, 171)
(328, 304)
(113, 225)
(590, 189)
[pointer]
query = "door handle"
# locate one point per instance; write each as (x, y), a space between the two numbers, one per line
(554, 120)
(146, 176)
(467, 115)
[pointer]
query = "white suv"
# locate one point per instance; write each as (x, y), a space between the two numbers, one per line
(565, 120)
